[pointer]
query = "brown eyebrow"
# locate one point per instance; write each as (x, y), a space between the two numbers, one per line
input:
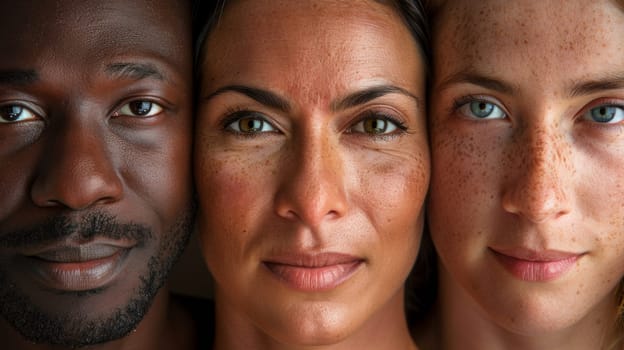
(264, 97)
(591, 86)
(18, 76)
(469, 77)
(363, 96)
(134, 71)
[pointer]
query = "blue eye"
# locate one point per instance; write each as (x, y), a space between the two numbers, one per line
(482, 110)
(16, 114)
(607, 114)
(249, 123)
(139, 108)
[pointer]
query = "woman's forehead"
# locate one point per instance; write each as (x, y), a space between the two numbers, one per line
(536, 40)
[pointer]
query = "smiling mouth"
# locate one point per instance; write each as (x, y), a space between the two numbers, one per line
(77, 268)
(314, 273)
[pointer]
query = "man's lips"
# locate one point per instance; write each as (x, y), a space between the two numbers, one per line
(77, 267)
(316, 272)
(78, 254)
(536, 266)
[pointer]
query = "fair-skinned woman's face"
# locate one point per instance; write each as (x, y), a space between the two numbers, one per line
(528, 158)
(311, 164)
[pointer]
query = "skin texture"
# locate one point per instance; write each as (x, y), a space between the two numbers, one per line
(80, 167)
(546, 175)
(313, 181)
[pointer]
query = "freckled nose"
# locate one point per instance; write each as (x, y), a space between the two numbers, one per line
(76, 171)
(313, 187)
(539, 188)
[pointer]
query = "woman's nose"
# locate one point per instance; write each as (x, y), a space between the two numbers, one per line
(313, 183)
(539, 188)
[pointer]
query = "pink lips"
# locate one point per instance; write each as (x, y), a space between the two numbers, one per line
(314, 272)
(532, 266)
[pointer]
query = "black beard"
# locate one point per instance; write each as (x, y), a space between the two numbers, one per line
(76, 330)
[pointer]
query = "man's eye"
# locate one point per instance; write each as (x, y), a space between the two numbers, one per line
(480, 109)
(606, 114)
(249, 123)
(139, 108)
(16, 114)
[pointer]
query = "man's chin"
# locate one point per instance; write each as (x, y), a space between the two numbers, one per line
(77, 326)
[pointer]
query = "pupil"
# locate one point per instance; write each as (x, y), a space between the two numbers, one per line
(482, 106)
(375, 126)
(140, 107)
(251, 125)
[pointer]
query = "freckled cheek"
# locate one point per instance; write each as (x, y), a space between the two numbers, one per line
(230, 194)
(234, 186)
(393, 192)
(464, 190)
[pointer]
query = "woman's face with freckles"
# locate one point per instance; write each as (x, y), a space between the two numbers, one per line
(311, 164)
(527, 128)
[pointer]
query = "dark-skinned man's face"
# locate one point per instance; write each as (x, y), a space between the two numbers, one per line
(95, 135)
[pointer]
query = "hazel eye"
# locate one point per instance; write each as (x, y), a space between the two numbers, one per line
(480, 109)
(249, 123)
(606, 114)
(375, 126)
(16, 114)
(139, 108)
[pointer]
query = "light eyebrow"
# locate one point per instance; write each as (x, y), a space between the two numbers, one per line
(469, 77)
(363, 96)
(262, 96)
(611, 82)
(18, 76)
(135, 71)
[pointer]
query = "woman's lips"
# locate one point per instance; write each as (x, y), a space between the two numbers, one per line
(312, 273)
(536, 266)
(77, 268)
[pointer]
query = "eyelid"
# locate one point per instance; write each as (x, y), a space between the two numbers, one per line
(601, 102)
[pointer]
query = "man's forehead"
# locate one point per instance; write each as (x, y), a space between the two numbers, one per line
(106, 26)
(93, 35)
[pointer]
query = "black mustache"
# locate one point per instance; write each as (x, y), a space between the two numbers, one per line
(85, 227)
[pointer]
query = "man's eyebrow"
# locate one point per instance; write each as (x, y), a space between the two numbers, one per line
(610, 82)
(18, 76)
(134, 71)
(368, 94)
(262, 96)
(469, 77)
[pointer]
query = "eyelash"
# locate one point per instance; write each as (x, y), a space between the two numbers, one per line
(463, 100)
(375, 114)
(232, 114)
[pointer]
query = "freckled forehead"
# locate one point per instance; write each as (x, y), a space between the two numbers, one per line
(312, 42)
(95, 28)
(550, 34)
